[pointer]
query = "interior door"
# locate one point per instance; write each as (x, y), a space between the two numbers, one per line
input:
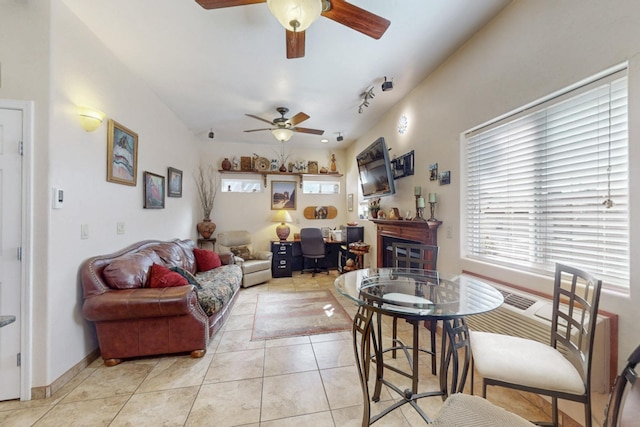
(10, 250)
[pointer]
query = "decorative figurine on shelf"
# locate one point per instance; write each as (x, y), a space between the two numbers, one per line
(236, 163)
(333, 168)
(374, 207)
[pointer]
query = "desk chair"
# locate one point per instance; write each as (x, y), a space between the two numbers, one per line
(312, 246)
(562, 369)
(425, 257)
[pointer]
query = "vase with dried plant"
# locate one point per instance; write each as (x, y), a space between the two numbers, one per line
(207, 189)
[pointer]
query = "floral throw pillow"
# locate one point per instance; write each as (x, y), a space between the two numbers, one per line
(242, 252)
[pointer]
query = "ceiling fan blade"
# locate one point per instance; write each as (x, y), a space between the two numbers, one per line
(257, 130)
(356, 18)
(295, 44)
(218, 4)
(298, 118)
(307, 130)
(259, 118)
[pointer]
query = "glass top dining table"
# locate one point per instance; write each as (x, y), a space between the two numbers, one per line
(420, 294)
(414, 295)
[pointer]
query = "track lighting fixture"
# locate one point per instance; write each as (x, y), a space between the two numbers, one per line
(366, 96)
(211, 134)
(340, 137)
(387, 85)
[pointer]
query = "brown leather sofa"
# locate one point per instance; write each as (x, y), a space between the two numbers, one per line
(133, 320)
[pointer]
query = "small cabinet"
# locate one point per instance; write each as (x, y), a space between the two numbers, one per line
(282, 259)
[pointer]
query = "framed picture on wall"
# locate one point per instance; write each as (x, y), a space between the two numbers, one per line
(122, 154)
(283, 195)
(153, 191)
(174, 182)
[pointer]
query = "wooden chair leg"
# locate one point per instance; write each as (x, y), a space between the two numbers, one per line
(196, 354)
(112, 362)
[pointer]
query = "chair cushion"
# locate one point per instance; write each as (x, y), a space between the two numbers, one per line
(243, 251)
(521, 361)
(473, 411)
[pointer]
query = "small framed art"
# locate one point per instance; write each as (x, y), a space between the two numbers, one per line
(174, 178)
(122, 154)
(350, 202)
(283, 195)
(153, 191)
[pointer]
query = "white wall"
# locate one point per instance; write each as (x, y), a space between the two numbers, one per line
(252, 211)
(531, 49)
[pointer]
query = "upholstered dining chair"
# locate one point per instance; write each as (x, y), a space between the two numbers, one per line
(561, 369)
(623, 409)
(312, 246)
(424, 257)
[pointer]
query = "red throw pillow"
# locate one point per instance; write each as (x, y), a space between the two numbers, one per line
(206, 260)
(161, 277)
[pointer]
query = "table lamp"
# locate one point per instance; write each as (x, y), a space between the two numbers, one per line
(283, 229)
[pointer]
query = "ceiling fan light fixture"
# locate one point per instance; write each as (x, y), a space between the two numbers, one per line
(282, 134)
(295, 15)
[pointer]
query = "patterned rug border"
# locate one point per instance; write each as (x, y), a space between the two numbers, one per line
(346, 322)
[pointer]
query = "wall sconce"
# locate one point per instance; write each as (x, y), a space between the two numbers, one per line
(90, 118)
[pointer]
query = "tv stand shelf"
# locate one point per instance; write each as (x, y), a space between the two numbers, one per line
(266, 173)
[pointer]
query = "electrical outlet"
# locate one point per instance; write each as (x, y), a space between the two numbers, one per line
(120, 228)
(84, 231)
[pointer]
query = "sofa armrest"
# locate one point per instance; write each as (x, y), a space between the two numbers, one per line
(141, 303)
(263, 255)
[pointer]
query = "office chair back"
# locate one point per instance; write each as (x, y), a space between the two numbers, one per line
(623, 409)
(312, 243)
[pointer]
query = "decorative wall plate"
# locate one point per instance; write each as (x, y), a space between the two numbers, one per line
(262, 164)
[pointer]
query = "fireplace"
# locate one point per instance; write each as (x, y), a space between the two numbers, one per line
(388, 231)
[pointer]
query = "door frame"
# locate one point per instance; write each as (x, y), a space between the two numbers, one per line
(26, 285)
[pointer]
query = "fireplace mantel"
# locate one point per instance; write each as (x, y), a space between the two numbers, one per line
(424, 232)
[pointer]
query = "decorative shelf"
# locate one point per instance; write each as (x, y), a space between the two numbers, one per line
(264, 174)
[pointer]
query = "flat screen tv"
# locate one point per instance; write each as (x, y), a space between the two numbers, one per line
(374, 170)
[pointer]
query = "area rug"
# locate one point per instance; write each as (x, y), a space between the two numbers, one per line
(290, 314)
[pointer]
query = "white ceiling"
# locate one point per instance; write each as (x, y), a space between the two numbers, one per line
(213, 66)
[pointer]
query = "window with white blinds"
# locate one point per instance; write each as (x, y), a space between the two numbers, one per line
(550, 184)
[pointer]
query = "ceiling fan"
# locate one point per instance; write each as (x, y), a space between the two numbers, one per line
(296, 16)
(283, 128)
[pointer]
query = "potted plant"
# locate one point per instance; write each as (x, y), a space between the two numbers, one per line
(207, 189)
(374, 207)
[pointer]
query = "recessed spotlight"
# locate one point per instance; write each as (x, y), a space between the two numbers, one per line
(211, 134)
(387, 85)
(324, 141)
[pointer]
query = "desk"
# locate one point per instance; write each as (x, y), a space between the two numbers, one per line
(415, 296)
(287, 257)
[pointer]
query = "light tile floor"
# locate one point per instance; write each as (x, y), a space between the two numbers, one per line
(301, 381)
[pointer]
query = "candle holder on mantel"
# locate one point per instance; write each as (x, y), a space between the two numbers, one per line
(419, 208)
(432, 206)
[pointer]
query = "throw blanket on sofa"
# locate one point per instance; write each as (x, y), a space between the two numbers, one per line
(218, 287)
